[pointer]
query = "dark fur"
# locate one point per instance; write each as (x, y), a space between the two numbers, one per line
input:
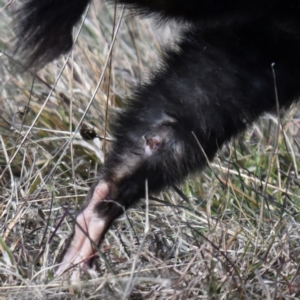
(219, 82)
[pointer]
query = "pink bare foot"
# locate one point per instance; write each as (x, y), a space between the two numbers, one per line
(89, 229)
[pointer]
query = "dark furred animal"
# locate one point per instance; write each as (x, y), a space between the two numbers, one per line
(219, 82)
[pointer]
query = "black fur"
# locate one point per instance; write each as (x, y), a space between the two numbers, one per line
(219, 82)
(45, 29)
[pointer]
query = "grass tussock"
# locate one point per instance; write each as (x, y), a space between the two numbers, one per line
(230, 232)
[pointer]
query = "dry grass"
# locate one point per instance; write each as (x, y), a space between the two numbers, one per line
(233, 231)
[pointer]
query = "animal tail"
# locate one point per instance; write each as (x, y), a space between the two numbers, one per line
(45, 29)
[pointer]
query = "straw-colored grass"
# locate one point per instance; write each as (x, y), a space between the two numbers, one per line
(230, 232)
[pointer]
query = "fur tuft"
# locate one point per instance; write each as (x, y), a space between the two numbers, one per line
(45, 29)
